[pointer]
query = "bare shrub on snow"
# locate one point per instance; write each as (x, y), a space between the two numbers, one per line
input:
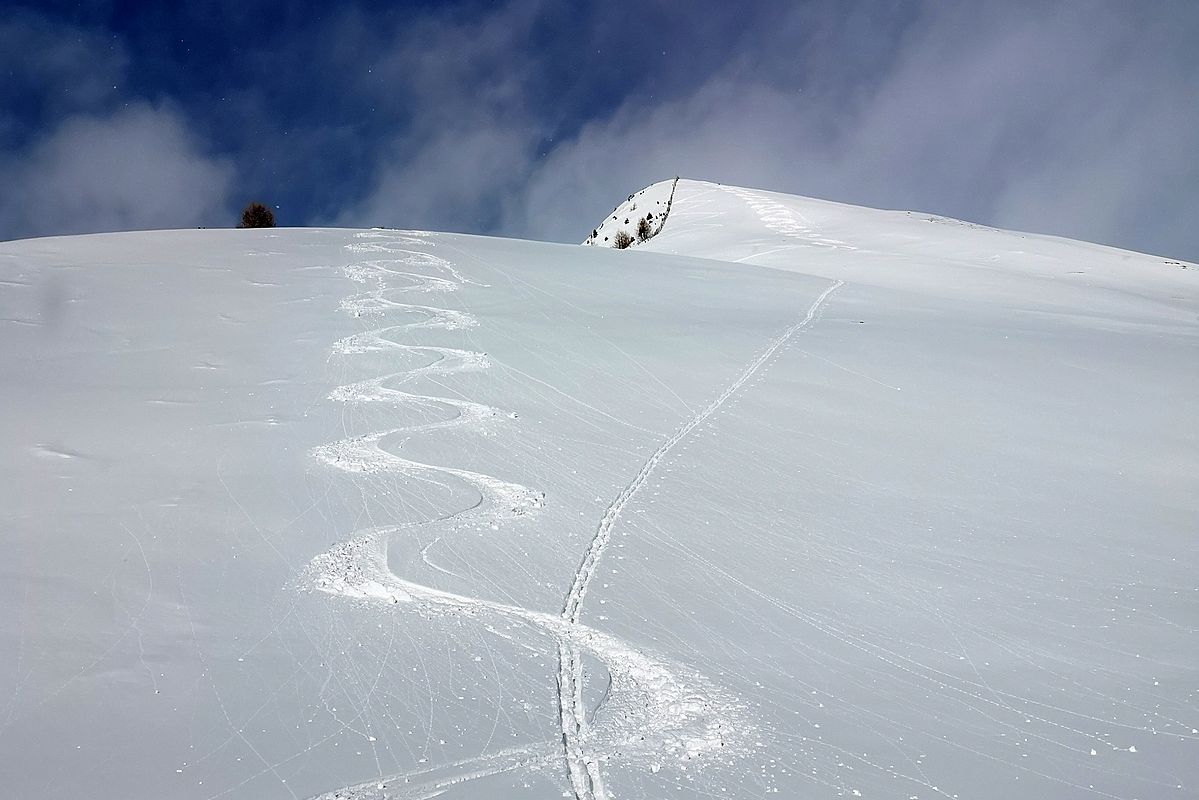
(256, 215)
(644, 230)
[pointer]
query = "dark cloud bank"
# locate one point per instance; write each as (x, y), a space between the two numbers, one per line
(533, 118)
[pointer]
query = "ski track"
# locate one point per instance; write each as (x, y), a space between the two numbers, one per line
(584, 773)
(786, 221)
(573, 608)
(653, 709)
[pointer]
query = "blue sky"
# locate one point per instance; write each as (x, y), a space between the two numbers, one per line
(533, 118)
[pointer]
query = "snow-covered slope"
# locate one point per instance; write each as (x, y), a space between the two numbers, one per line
(794, 498)
(640, 217)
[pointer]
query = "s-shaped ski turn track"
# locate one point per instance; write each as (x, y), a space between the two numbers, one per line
(656, 706)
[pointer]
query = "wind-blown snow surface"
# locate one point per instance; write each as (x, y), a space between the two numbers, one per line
(862, 503)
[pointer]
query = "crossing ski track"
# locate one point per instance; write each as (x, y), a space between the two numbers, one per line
(652, 707)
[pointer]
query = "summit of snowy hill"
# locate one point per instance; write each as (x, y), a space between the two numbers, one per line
(793, 498)
(755, 226)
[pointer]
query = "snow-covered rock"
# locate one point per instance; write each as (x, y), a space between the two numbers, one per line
(639, 218)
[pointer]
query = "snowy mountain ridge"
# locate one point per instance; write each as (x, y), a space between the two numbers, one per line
(794, 216)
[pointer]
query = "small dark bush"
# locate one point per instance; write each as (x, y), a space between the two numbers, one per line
(256, 215)
(644, 230)
(621, 240)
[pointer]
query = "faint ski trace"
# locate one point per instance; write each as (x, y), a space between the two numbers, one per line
(654, 709)
(786, 221)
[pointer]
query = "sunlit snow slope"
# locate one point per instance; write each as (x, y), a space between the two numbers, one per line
(793, 498)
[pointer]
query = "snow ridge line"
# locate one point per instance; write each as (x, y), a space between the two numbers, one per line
(669, 204)
(584, 773)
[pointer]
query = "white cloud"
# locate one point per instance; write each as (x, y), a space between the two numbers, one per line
(448, 183)
(1077, 119)
(136, 169)
(471, 132)
(728, 131)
